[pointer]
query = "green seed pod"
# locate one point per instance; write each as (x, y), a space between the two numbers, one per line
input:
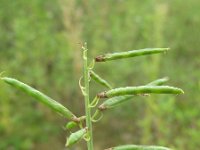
(71, 125)
(159, 81)
(140, 90)
(57, 107)
(128, 54)
(75, 137)
(99, 80)
(138, 147)
(113, 102)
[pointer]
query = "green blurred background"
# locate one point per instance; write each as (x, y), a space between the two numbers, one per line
(40, 45)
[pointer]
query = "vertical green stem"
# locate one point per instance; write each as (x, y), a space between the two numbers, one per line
(87, 100)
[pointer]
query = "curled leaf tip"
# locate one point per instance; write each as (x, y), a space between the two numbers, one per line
(98, 115)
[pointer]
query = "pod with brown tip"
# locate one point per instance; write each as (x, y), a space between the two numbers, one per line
(138, 147)
(99, 80)
(129, 54)
(75, 137)
(54, 105)
(135, 90)
(115, 101)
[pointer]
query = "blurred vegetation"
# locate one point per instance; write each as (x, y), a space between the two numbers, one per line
(40, 45)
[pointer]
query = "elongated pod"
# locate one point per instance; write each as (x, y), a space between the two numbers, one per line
(75, 137)
(140, 90)
(160, 81)
(114, 101)
(128, 54)
(138, 147)
(117, 100)
(54, 105)
(99, 80)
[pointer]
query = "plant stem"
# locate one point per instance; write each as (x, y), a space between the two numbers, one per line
(87, 100)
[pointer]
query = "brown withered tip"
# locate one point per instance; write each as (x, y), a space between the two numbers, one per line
(145, 94)
(102, 108)
(75, 119)
(102, 95)
(100, 58)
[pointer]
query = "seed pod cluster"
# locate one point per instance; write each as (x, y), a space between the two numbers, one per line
(140, 90)
(115, 101)
(99, 80)
(138, 147)
(54, 105)
(128, 54)
(75, 137)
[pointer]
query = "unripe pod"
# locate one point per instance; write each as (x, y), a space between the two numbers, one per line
(128, 54)
(71, 125)
(113, 102)
(159, 81)
(75, 137)
(99, 80)
(54, 105)
(138, 147)
(117, 100)
(140, 90)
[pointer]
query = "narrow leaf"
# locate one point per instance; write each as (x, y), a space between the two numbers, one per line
(138, 147)
(99, 80)
(128, 54)
(54, 105)
(140, 90)
(75, 137)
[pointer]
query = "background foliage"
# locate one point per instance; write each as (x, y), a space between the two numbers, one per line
(40, 45)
